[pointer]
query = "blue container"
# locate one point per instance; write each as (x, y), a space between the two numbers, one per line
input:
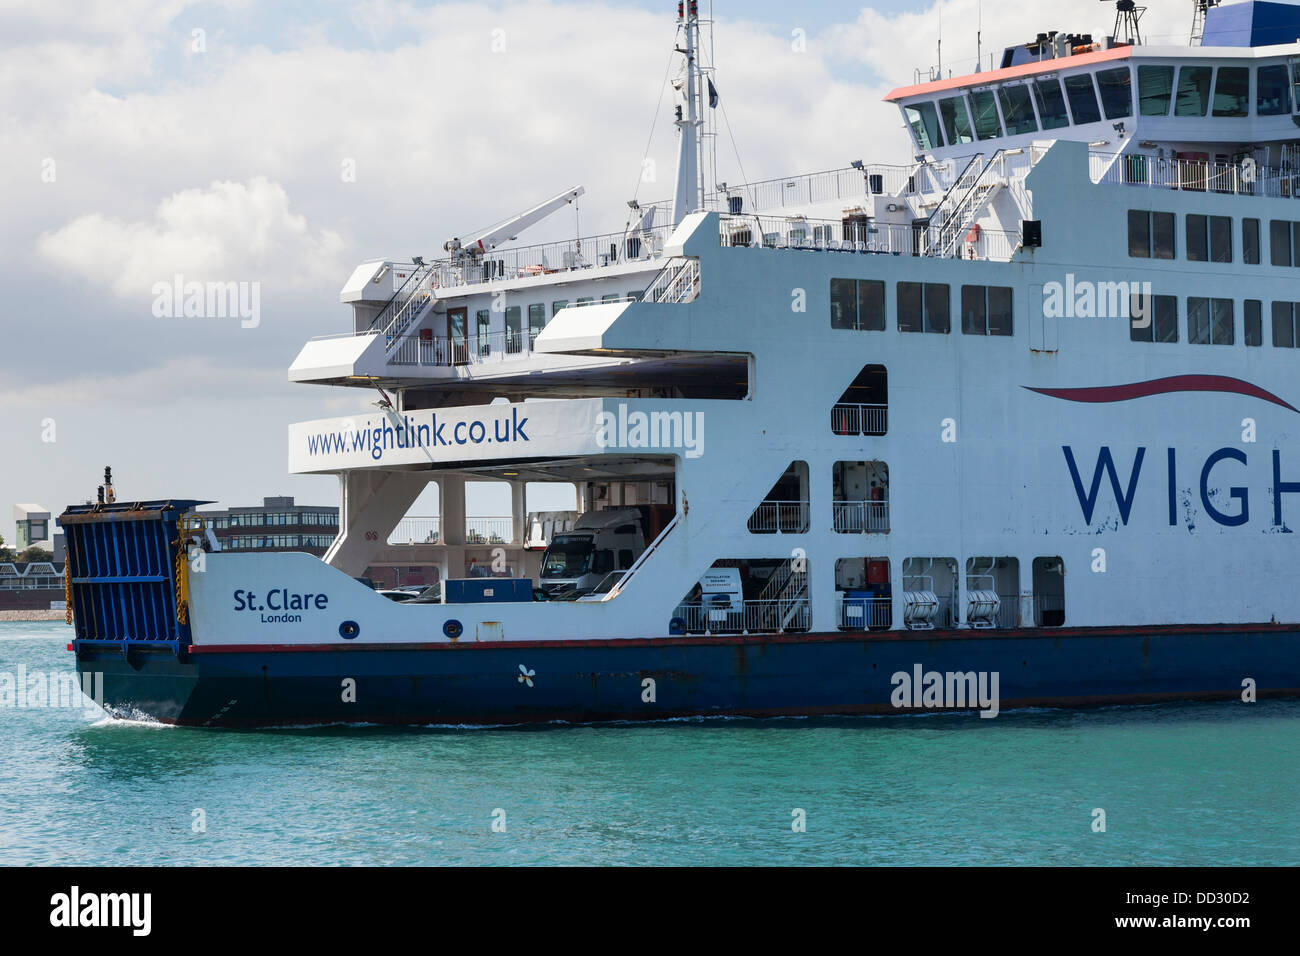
(487, 590)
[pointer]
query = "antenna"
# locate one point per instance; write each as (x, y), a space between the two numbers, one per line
(979, 36)
(1198, 20)
(1127, 15)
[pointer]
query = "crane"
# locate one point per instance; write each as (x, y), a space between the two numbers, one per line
(482, 244)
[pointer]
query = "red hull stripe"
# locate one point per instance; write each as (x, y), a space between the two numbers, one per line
(1047, 633)
(1163, 386)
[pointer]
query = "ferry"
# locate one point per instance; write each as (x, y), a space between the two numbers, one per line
(1019, 419)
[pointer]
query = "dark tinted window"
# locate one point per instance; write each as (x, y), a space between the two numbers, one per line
(956, 124)
(1155, 89)
(1254, 322)
(1198, 238)
(984, 108)
(910, 318)
(1139, 234)
(1083, 99)
(1279, 242)
(858, 304)
(1284, 325)
(1193, 91)
(1116, 88)
(1220, 239)
(1209, 321)
(1250, 241)
(1154, 318)
(925, 125)
(1017, 110)
(1162, 235)
(1051, 104)
(1232, 91)
(1273, 91)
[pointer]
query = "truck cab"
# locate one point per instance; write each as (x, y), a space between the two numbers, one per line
(599, 542)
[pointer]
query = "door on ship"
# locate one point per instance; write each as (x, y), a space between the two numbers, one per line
(458, 336)
(1042, 322)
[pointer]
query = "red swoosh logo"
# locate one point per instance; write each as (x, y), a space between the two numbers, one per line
(1163, 386)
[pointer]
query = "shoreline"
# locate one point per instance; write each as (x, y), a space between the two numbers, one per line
(29, 615)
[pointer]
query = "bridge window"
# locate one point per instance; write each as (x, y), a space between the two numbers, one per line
(1150, 234)
(1017, 109)
(1272, 91)
(986, 310)
(1051, 104)
(1250, 241)
(1254, 310)
(984, 108)
(925, 125)
(923, 307)
(956, 122)
(1155, 89)
(1116, 88)
(1193, 91)
(1049, 592)
(1232, 91)
(1209, 238)
(1083, 99)
(1286, 317)
(863, 409)
(1156, 321)
(858, 304)
(1210, 321)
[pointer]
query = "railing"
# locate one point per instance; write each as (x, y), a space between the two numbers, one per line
(417, 530)
(871, 420)
(952, 201)
(784, 517)
(749, 617)
(678, 281)
(495, 530)
(36, 582)
(861, 517)
(475, 350)
(820, 235)
(864, 614)
(401, 298)
(1153, 172)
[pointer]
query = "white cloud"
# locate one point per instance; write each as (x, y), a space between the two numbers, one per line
(226, 232)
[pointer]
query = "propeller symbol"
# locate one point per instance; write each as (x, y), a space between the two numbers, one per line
(526, 676)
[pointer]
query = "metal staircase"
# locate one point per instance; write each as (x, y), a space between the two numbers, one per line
(783, 602)
(945, 236)
(677, 282)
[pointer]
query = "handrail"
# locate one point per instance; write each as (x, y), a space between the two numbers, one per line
(639, 562)
(940, 216)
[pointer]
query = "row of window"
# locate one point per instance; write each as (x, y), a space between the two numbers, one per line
(922, 307)
(1213, 321)
(1152, 235)
(323, 519)
(246, 542)
(514, 319)
(1049, 103)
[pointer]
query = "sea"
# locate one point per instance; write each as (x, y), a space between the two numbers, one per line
(1171, 784)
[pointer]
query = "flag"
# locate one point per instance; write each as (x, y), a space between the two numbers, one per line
(713, 96)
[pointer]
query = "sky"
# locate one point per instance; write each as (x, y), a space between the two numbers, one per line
(279, 144)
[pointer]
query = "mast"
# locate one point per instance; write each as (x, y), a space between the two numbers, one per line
(688, 196)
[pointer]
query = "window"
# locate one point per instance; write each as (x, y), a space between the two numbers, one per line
(1051, 104)
(1272, 91)
(1017, 109)
(637, 294)
(1232, 91)
(586, 300)
(1155, 320)
(984, 108)
(1083, 99)
(514, 329)
(536, 319)
(858, 305)
(1116, 88)
(1282, 242)
(1250, 241)
(1155, 90)
(986, 310)
(1193, 91)
(1150, 234)
(557, 306)
(483, 330)
(925, 125)
(1209, 238)
(923, 307)
(956, 122)
(611, 297)
(1209, 321)
(1285, 317)
(1254, 323)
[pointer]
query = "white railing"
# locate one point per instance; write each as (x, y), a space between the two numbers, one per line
(475, 350)
(861, 517)
(645, 556)
(849, 419)
(747, 617)
(417, 530)
(1153, 172)
(492, 530)
(864, 613)
(784, 517)
(815, 235)
(678, 282)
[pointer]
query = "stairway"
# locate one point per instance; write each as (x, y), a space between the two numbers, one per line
(945, 240)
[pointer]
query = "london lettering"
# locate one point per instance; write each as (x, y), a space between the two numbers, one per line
(279, 600)
(1224, 496)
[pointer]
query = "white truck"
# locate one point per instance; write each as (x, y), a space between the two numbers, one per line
(599, 542)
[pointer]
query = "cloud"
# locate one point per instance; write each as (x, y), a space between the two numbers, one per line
(226, 232)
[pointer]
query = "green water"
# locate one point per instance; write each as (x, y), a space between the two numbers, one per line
(1180, 784)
